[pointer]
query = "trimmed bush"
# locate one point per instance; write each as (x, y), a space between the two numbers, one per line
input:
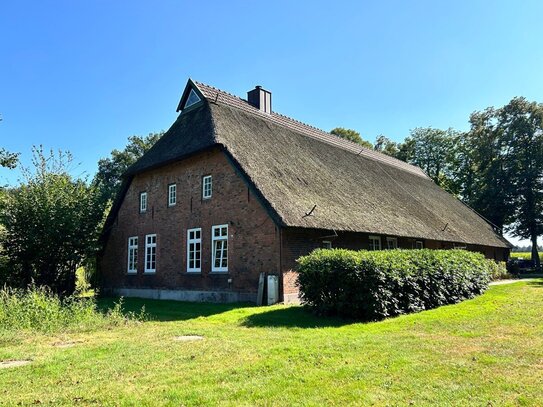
(379, 284)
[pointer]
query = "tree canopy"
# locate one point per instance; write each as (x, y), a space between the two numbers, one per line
(351, 135)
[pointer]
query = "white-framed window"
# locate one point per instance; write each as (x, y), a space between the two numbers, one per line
(150, 253)
(459, 246)
(172, 194)
(207, 187)
(326, 244)
(194, 250)
(392, 243)
(143, 202)
(375, 243)
(219, 251)
(132, 255)
(419, 244)
(192, 99)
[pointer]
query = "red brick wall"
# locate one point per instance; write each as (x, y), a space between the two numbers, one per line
(298, 242)
(253, 244)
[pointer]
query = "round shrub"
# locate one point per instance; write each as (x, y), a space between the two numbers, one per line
(375, 285)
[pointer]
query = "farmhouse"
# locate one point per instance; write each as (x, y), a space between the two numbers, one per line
(233, 190)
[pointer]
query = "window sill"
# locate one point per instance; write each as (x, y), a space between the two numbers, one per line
(219, 272)
(131, 273)
(149, 272)
(194, 272)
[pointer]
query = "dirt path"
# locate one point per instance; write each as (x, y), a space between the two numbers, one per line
(511, 281)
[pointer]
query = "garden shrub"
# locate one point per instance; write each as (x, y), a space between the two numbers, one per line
(378, 284)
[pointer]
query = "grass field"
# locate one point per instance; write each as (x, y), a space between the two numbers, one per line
(524, 255)
(485, 351)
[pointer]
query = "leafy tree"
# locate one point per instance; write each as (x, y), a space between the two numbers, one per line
(51, 223)
(520, 126)
(8, 159)
(110, 170)
(351, 135)
(433, 150)
(386, 146)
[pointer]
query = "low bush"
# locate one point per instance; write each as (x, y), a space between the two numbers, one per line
(379, 284)
(38, 309)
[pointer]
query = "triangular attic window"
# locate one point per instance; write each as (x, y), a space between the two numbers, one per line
(192, 99)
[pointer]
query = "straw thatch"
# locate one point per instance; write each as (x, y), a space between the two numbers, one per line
(294, 167)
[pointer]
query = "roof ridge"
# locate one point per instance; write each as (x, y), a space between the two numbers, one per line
(304, 128)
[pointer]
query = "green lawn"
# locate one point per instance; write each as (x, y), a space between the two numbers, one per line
(486, 352)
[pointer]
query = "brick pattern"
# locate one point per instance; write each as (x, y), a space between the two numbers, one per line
(298, 242)
(253, 242)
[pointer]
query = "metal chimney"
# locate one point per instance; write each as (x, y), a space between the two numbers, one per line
(260, 98)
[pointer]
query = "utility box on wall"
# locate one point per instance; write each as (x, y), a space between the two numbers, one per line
(273, 290)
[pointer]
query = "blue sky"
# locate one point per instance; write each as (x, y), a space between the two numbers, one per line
(84, 75)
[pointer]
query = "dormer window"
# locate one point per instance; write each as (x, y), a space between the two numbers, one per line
(192, 99)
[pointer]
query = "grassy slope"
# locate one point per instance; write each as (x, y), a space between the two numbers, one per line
(484, 351)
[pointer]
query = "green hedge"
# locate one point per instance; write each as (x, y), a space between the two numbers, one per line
(379, 284)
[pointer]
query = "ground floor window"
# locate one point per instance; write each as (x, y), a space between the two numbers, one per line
(419, 244)
(150, 253)
(132, 255)
(375, 243)
(392, 243)
(326, 244)
(194, 250)
(219, 253)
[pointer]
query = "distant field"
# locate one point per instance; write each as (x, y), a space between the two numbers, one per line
(524, 255)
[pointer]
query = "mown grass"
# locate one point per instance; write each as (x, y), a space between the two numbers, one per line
(485, 351)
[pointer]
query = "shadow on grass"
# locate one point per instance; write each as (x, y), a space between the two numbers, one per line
(164, 310)
(536, 283)
(293, 317)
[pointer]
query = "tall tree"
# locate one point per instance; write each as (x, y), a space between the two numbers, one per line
(433, 150)
(520, 125)
(386, 146)
(51, 224)
(110, 170)
(490, 189)
(351, 135)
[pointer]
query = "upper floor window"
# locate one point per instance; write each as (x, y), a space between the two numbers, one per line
(132, 255)
(194, 250)
(392, 243)
(143, 201)
(172, 194)
(219, 254)
(375, 243)
(207, 187)
(150, 253)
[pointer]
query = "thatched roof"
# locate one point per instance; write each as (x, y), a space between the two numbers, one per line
(294, 167)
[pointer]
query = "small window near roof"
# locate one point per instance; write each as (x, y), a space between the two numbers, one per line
(207, 187)
(375, 243)
(392, 243)
(419, 244)
(172, 194)
(326, 244)
(143, 202)
(192, 99)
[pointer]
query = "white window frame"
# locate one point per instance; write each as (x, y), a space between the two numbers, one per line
(374, 239)
(392, 241)
(150, 257)
(419, 244)
(143, 202)
(459, 246)
(172, 194)
(132, 261)
(214, 242)
(194, 240)
(326, 244)
(207, 193)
